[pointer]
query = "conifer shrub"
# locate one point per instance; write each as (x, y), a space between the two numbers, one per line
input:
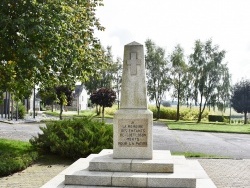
(74, 138)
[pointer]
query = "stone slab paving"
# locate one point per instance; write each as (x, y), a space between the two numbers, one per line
(225, 173)
(37, 174)
(228, 173)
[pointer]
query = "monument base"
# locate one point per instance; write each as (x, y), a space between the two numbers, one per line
(133, 134)
(102, 170)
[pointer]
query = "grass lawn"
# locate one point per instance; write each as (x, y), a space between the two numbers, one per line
(84, 113)
(209, 127)
(15, 156)
(198, 155)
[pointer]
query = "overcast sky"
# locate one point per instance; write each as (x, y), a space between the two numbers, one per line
(172, 22)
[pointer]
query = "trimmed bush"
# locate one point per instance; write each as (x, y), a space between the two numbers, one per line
(186, 114)
(111, 110)
(218, 118)
(74, 138)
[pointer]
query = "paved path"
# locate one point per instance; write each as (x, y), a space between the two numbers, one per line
(235, 146)
(226, 173)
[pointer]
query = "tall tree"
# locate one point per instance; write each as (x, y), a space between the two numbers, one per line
(207, 68)
(157, 73)
(46, 39)
(117, 78)
(223, 97)
(64, 96)
(105, 97)
(241, 98)
(179, 76)
(103, 76)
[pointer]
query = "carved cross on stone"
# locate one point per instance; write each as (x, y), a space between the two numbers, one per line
(133, 61)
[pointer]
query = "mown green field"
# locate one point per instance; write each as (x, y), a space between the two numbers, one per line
(209, 127)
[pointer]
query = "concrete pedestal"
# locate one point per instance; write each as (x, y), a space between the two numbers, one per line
(102, 170)
(133, 137)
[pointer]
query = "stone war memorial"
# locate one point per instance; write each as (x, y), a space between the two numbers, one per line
(133, 162)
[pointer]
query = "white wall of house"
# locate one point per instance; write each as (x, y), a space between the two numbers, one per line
(83, 100)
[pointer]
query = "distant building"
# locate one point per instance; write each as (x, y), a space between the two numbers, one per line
(80, 100)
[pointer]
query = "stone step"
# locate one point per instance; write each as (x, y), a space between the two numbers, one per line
(161, 162)
(184, 173)
(200, 183)
(129, 179)
(105, 171)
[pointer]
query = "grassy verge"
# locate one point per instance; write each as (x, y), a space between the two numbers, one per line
(15, 156)
(209, 127)
(84, 113)
(198, 155)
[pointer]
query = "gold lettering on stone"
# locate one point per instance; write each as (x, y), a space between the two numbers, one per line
(132, 132)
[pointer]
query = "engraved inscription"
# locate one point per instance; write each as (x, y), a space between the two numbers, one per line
(132, 132)
(133, 61)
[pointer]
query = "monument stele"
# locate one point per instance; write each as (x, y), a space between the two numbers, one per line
(133, 121)
(131, 162)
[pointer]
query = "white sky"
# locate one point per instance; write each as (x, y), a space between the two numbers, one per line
(172, 22)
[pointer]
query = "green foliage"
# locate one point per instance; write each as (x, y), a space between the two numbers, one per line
(21, 111)
(209, 75)
(218, 118)
(241, 98)
(47, 41)
(74, 138)
(179, 77)
(104, 97)
(15, 156)
(158, 80)
(185, 113)
(111, 110)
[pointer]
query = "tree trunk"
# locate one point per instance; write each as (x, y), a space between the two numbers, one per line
(103, 113)
(12, 108)
(178, 108)
(158, 107)
(61, 110)
(178, 100)
(118, 101)
(9, 105)
(245, 117)
(17, 111)
(34, 103)
(200, 112)
(98, 110)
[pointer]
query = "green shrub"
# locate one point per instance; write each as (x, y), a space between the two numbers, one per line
(165, 112)
(218, 118)
(21, 111)
(186, 114)
(111, 110)
(74, 138)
